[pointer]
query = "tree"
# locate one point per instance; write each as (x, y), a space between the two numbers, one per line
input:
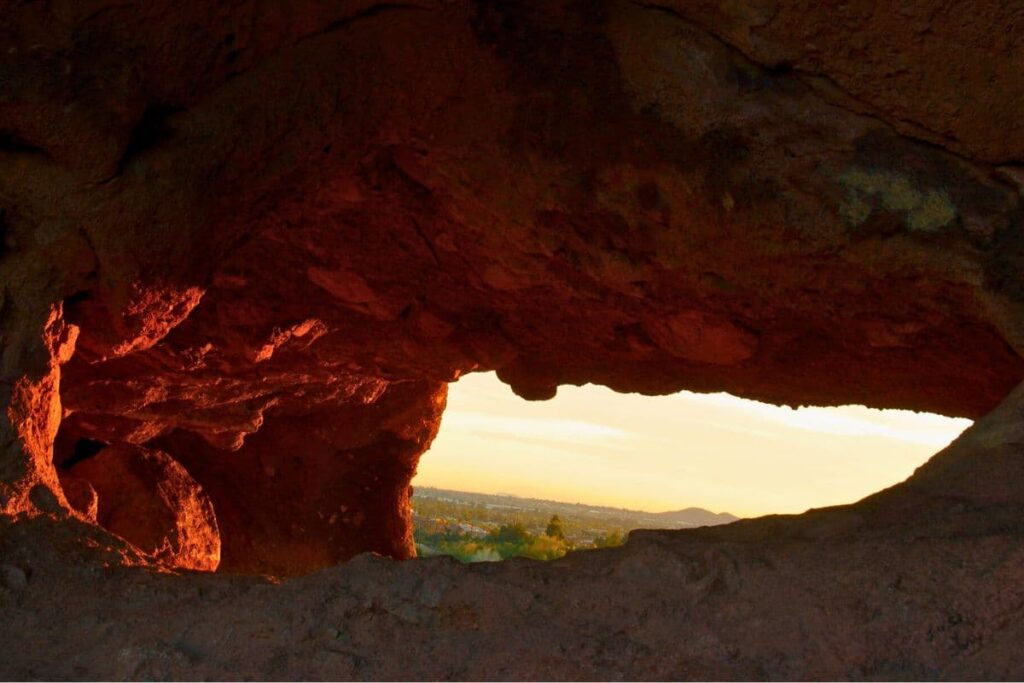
(611, 540)
(510, 533)
(555, 529)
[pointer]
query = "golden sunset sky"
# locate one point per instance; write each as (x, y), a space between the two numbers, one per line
(592, 445)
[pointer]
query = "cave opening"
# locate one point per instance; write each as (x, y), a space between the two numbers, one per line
(605, 463)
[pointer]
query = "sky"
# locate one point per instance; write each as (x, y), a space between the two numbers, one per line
(657, 453)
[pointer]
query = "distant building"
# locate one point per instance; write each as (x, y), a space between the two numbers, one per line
(430, 525)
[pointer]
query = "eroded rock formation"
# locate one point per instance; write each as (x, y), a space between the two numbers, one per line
(261, 238)
(147, 497)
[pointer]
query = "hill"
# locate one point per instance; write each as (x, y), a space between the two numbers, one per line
(500, 507)
(694, 516)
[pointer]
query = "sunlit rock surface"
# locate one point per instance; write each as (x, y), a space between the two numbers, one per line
(259, 239)
(149, 499)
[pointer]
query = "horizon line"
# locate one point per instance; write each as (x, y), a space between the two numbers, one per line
(565, 502)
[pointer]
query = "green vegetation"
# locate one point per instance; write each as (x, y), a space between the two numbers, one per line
(609, 541)
(554, 529)
(483, 527)
(476, 533)
(501, 543)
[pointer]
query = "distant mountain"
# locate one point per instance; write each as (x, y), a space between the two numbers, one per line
(629, 519)
(696, 517)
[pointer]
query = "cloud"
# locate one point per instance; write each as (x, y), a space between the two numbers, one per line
(901, 425)
(539, 429)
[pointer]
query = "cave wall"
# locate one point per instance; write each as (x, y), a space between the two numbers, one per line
(350, 470)
(238, 233)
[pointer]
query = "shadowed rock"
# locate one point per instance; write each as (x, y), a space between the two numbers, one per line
(147, 498)
(260, 240)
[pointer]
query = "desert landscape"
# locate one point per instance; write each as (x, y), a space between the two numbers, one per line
(247, 246)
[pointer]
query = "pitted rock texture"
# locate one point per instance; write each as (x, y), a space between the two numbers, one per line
(261, 239)
(892, 61)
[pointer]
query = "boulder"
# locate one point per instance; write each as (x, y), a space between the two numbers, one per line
(147, 498)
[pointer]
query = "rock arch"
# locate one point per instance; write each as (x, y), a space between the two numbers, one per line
(261, 240)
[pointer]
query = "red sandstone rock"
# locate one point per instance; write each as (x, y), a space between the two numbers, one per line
(891, 60)
(311, 490)
(147, 498)
(703, 338)
(260, 240)
(248, 226)
(81, 496)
